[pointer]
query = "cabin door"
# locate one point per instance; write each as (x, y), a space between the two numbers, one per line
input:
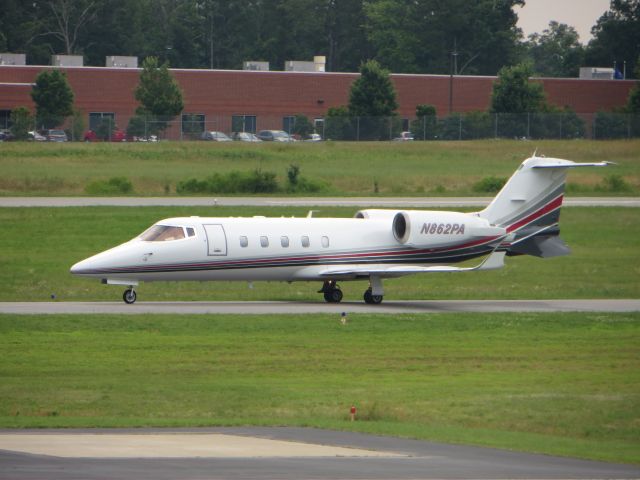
(216, 239)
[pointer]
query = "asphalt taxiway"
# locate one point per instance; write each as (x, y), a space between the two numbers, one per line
(260, 308)
(329, 455)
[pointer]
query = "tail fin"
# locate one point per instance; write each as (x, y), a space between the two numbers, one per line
(528, 206)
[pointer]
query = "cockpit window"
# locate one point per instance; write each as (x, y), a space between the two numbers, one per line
(162, 233)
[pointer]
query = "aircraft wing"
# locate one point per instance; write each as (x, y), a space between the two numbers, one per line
(491, 262)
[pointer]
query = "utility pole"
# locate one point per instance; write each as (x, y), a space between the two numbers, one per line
(453, 70)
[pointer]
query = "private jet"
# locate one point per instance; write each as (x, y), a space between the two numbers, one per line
(374, 245)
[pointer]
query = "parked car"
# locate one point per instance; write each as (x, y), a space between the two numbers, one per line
(54, 135)
(313, 137)
(215, 137)
(117, 135)
(34, 136)
(274, 136)
(245, 137)
(404, 137)
(5, 135)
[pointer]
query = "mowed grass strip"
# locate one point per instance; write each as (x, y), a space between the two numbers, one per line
(39, 245)
(348, 168)
(562, 384)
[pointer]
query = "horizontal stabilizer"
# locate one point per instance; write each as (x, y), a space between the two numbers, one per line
(558, 163)
(544, 246)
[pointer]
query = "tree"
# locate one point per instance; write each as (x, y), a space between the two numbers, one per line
(514, 93)
(53, 98)
(302, 126)
(373, 94)
(616, 36)
(21, 123)
(556, 52)
(69, 17)
(633, 102)
(158, 93)
(420, 36)
(373, 99)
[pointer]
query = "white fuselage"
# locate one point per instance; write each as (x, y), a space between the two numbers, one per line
(290, 249)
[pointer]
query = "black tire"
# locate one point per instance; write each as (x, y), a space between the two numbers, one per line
(333, 296)
(372, 299)
(129, 296)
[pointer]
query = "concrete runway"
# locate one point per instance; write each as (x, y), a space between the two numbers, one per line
(392, 306)
(356, 202)
(384, 458)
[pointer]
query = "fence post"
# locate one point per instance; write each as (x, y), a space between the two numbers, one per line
(561, 117)
(528, 124)
(495, 119)
(628, 126)
(424, 127)
(460, 127)
(357, 129)
(593, 132)
(390, 119)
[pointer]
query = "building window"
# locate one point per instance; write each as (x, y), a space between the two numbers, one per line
(244, 241)
(288, 123)
(192, 125)
(305, 241)
(325, 242)
(284, 241)
(102, 121)
(264, 241)
(243, 123)
(5, 115)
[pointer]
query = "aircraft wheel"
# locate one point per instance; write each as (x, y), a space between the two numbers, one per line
(333, 296)
(372, 299)
(129, 296)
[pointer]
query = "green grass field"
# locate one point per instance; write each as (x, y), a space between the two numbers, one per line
(417, 168)
(562, 384)
(39, 245)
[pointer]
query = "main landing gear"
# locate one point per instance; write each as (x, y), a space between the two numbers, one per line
(372, 299)
(331, 291)
(129, 296)
(333, 294)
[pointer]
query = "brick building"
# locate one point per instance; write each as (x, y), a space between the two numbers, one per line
(225, 99)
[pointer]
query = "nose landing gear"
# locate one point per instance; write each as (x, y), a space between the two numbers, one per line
(129, 296)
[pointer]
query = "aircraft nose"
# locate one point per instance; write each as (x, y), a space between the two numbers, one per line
(83, 267)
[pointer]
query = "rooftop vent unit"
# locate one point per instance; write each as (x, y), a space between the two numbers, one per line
(117, 61)
(256, 66)
(67, 61)
(13, 59)
(596, 73)
(318, 65)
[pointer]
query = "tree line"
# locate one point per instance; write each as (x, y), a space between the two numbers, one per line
(422, 36)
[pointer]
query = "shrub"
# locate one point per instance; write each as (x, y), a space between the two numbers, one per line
(489, 184)
(256, 181)
(112, 186)
(615, 183)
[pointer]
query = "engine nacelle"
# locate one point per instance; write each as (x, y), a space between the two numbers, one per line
(376, 214)
(416, 227)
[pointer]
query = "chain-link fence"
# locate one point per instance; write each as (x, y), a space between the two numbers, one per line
(459, 126)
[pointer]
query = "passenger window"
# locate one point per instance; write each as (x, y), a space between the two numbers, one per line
(305, 241)
(244, 241)
(325, 242)
(264, 241)
(191, 232)
(284, 241)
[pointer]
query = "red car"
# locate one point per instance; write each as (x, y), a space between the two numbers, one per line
(116, 136)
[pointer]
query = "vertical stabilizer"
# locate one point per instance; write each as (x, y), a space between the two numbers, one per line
(528, 206)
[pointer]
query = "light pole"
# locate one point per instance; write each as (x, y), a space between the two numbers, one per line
(453, 70)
